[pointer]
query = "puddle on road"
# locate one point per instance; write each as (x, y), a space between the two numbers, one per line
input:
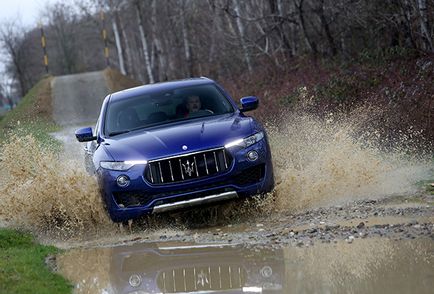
(366, 266)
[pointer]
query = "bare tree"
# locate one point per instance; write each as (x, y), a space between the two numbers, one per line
(185, 36)
(424, 26)
(242, 36)
(12, 38)
(153, 40)
(65, 26)
(144, 42)
(114, 8)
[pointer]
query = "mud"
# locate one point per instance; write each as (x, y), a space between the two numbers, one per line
(367, 266)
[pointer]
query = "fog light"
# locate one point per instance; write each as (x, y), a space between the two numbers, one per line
(135, 280)
(252, 155)
(266, 271)
(123, 181)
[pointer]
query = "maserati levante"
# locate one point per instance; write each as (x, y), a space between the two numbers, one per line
(173, 145)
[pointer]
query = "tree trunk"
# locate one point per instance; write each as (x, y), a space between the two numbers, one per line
(276, 11)
(242, 36)
(144, 44)
(424, 26)
(127, 51)
(408, 31)
(292, 27)
(160, 50)
(310, 43)
(215, 28)
(186, 40)
(326, 27)
(118, 43)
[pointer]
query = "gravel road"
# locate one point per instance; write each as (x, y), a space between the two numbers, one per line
(77, 98)
(395, 217)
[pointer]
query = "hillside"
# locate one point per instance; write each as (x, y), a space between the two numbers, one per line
(37, 111)
(399, 89)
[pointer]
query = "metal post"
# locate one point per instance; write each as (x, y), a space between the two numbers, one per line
(104, 36)
(44, 48)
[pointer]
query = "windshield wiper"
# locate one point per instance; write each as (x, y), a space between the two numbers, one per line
(118, 133)
(126, 131)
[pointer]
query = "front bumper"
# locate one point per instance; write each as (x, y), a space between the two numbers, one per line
(244, 178)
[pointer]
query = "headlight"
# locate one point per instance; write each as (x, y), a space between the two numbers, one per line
(120, 165)
(246, 142)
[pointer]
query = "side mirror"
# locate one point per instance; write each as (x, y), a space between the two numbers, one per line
(84, 135)
(249, 103)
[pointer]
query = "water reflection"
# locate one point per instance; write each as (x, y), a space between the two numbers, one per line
(366, 266)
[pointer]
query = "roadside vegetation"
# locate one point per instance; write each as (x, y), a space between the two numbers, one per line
(22, 267)
(117, 81)
(395, 87)
(32, 116)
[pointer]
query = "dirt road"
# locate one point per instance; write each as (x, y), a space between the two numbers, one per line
(366, 218)
(77, 98)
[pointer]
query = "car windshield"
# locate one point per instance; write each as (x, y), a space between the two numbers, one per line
(157, 108)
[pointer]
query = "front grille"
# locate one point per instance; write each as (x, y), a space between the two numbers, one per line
(201, 278)
(188, 166)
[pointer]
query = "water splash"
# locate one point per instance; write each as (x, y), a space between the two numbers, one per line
(317, 161)
(320, 161)
(41, 192)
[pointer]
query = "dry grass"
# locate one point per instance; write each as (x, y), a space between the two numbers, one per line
(117, 81)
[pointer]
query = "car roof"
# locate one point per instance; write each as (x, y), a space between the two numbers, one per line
(163, 86)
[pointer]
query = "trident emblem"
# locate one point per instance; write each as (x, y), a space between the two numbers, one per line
(202, 279)
(188, 168)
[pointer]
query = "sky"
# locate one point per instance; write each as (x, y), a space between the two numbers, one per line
(28, 11)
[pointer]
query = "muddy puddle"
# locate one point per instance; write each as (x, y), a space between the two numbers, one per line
(365, 266)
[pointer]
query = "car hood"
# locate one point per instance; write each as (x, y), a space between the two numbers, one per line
(168, 140)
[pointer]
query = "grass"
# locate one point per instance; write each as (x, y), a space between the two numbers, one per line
(22, 268)
(32, 116)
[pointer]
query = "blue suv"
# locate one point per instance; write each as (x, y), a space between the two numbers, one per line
(173, 145)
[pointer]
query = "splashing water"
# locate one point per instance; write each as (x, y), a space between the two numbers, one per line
(316, 161)
(42, 193)
(338, 159)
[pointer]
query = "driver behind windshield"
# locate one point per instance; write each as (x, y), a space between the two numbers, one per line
(193, 104)
(193, 107)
